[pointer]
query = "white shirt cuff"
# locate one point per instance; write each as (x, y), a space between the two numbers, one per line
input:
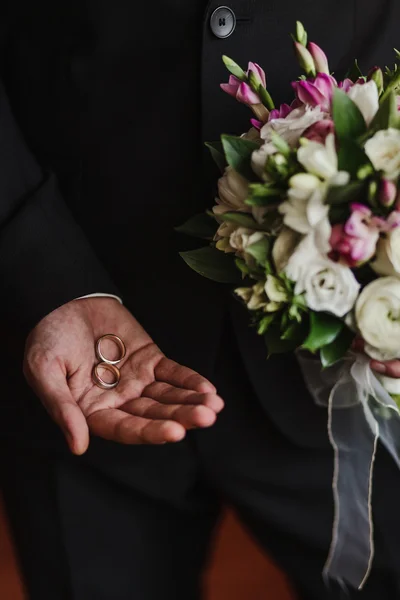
(100, 295)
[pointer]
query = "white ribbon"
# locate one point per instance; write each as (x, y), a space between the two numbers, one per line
(360, 414)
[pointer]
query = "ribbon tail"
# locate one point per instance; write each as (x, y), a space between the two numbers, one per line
(352, 547)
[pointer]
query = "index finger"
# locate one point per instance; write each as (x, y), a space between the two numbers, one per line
(177, 375)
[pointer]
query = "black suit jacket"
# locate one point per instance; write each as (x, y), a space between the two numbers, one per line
(104, 108)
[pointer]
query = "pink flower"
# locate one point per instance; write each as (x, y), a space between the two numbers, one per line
(256, 124)
(281, 113)
(387, 193)
(242, 90)
(316, 92)
(346, 85)
(354, 243)
(393, 220)
(320, 59)
(320, 131)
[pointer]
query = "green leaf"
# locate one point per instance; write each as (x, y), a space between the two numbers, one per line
(345, 194)
(238, 153)
(242, 219)
(352, 157)
(348, 119)
(266, 98)
(354, 72)
(201, 226)
(265, 323)
(275, 343)
(324, 329)
(336, 350)
(387, 114)
(213, 264)
(296, 333)
(234, 68)
(217, 153)
(262, 194)
(260, 251)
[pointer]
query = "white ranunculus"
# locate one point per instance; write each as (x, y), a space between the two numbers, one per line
(328, 286)
(320, 159)
(366, 97)
(292, 127)
(305, 206)
(284, 247)
(378, 318)
(387, 261)
(242, 238)
(383, 149)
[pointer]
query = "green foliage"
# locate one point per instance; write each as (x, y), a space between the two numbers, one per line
(217, 153)
(336, 350)
(324, 329)
(238, 153)
(213, 264)
(200, 226)
(348, 119)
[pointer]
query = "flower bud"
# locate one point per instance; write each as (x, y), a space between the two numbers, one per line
(387, 193)
(234, 68)
(376, 75)
(305, 59)
(301, 34)
(320, 58)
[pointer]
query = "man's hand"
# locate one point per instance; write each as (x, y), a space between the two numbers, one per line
(156, 401)
(391, 368)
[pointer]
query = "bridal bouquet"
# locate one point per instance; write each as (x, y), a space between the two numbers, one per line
(306, 226)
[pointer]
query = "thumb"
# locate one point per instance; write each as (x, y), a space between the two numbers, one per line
(63, 409)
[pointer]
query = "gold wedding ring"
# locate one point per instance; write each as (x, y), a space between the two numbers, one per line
(117, 341)
(104, 385)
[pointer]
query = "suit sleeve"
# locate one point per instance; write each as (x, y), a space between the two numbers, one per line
(45, 260)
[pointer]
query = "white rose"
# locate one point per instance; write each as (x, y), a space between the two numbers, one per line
(242, 238)
(378, 318)
(366, 97)
(305, 208)
(294, 125)
(383, 149)
(320, 159)
(328, 286)
(387, 261)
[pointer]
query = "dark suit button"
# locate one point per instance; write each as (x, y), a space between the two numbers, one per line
(223, 22)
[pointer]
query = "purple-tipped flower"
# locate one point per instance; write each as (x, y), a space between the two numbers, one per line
(241, 90)
(319, 57)
(320, 131)
(316, 92)
(256, 124)
(387, 193)
(346, 85)
(305, 59)
(280, 113)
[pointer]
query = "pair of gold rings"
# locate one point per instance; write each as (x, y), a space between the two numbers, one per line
(107, 364)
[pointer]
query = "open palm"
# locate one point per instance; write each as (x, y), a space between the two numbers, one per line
(156, 401)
